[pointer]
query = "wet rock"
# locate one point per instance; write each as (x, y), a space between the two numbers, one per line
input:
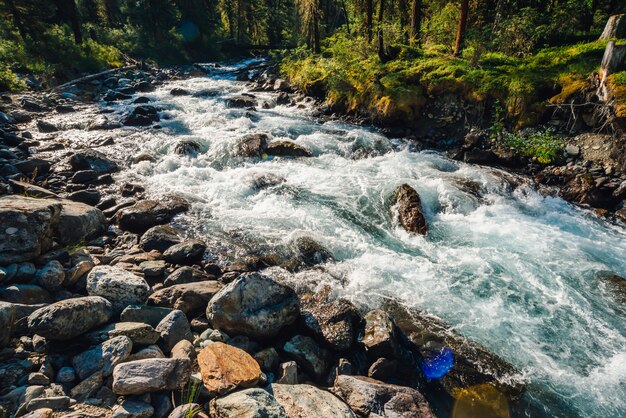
(253, 305)
(147, 213)
(187, 252)
(26, 227)
(247, 403)
(409, 210)
(179, 92)
(139, 333)
(369, 397)
(333, 321)
(132, 409)
(379, 336)
(241, 102)
(46, 127)
(306, 401)
(120, 287)
(102, 123)
(33, 166)
(142, 115)
(287, 149)
(189, 148)
(310, 252)
(103, 357)
(113, 96)
(309, 355)
(281, 85)
(51, 276)
(150, 315)
(160, 238)
(89, 197)
(190, 298)
(252, 145)
(93, 160)
(7, 321)
(224, 368)
(70, 318)
(283, 99)
(150, 375)
(174, 328)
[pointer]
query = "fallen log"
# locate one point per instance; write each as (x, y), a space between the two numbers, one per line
(93, 77)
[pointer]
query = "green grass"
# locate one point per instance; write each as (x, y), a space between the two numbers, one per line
(354, 79)
(544, 146)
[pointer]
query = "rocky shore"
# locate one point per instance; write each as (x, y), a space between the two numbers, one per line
(107, 309)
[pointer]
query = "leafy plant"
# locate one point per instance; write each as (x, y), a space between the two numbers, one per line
(544, 146)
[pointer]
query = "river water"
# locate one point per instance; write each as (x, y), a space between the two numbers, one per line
(502, 264)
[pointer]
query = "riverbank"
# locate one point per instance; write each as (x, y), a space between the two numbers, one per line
(536, 115)
(147, 296)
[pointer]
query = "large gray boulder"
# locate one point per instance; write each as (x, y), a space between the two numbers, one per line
(253, 305)
(26, 227)
(174, 328)
(148, 213)
(70, 318)
(78, 222)
(120, 287)
(151, 375)
(103, 357)
(306, 401)
(248, 403)
(368, 397)
(191, 298)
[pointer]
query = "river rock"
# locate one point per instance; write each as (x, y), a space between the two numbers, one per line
(224, 368)
(241, 102)
(120, 287)
(102, 123)
(189, 148)
(287, 149)
(147, 213)
(184, 349)
(252, 145)
(331, 320)
(310, 252)
(138, 332)
(27, 294)
(151, 351)
(177, 91)
(367, 397)
(56, 403)
(7, 320)
(142, 115)
(104, 356)
(89, 197)
(46, 127)
(186, 274)
(70, 318)
(185, 411)
(190, 298)
(379, 336)
(51, 276)
(26, 227)
(160, 238)
(248, 403)
(253, 305)
(150, 375)
(268, 359)
(409, 210)
(309, 355)
(150, 315)
(66, 375)
(306, 401)
(187, 252)
(90, 159)
(174, 328)
(33, 167)
(78, 222)
(132, 409)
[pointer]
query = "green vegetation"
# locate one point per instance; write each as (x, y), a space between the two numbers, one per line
(544, 146)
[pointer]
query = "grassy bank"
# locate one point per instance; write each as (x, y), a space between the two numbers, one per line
(352, 77)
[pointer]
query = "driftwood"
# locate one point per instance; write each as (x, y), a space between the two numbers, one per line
(93, 77)
(615, 28)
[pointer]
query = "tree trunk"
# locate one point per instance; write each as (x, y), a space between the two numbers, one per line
(72, 14)
(113, 12)
(17, 19)
(345, 13)
(462, 26)
(369, 17)
(316, 32)
(615, 28)
(612, 62)
(381, 41)
(416, 22)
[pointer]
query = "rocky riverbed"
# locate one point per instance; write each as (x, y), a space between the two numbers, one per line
(140, 277)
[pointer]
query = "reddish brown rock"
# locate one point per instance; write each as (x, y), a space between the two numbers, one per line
(224, 368)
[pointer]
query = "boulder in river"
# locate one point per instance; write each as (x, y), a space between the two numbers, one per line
(78, 222)
(93, 160)
(186, 147)
(252, 145)
(379, 337)
(46, 127)
(142, 115)
(70, 318)
(147, 213)
(409, 210)
(224, 368)
(118, 286)
(247, 403)
(253, 305)
(368, 397)
(187, 252)
(160, 238)
(287, 149)
(241, 102)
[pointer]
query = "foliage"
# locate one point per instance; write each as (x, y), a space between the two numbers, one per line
(544, 146)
